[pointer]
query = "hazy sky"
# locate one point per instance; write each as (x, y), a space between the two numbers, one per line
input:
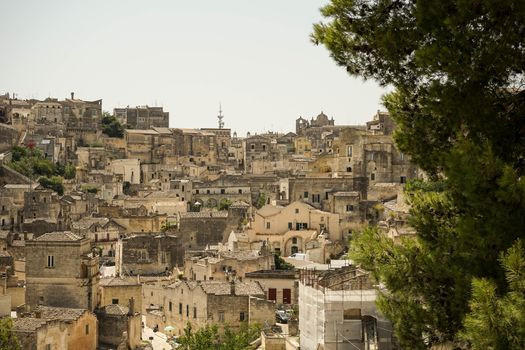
(254, 57)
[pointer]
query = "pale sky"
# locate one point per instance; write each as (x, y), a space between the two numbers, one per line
(253, 57)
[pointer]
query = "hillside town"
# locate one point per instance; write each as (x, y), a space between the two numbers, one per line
(119, 230)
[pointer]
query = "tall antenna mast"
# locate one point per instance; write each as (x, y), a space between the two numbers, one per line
(220, 117)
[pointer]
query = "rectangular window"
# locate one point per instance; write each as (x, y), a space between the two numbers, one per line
(272, 294)
(372, 176)
(316, 198)
(196, 191)
(403, 179)
(223, 191)
(349, 151)
(349, 207)
(170, 306)
(290, 226)
(194, 312)
(297, 211)
(305, 194)
(180, 308)
(114, 301)
(242, 316)
(221, 316)
(240, 191)
(48, 346)
(187, 310)
(87, 329)
(50, 261)
(267, 225)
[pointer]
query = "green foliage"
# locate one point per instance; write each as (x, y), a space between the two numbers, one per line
(32, 163)
(280, 264)
(54, 183)
(209, 337)
(225, 204)
(261, 200)
(458, 104)
(498, 322)
(69, 172)
(18, 153)
(111, 126)
(8, 339)
(90, 189)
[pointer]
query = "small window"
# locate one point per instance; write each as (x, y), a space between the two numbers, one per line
(372, 177)
(187, 310)
(349, 169)
(221, 316)
(170, 307)
(223, 191)
(349, 207)
(240, 191)
(50, 261)
(294, 240)
(268, 225)
(194, 312)
(114, 301)
(87, 329)
(403, 179)
(305, 194)
(297, 211)
(196, 191)
(48, 346)
(180, 308)
(242, 316)
(252, 146)
(349, 151)
(290, 226)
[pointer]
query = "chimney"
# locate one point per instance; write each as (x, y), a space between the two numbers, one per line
(232, 287)
(131, 306)
(72, 95)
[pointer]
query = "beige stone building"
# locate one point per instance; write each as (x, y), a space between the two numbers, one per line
(224, 265)
(280, 286)
(40, 334)
(203, 303)
(119, 290)
(288, 229)
(61, 271)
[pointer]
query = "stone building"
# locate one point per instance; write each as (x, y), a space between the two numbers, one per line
(222, 141)
(61, 271)
(224, 265)
(102, 232)
(204, 303)
(119, 326)
(142, 117)
(147, 254)
(81, 116)
(120, 290)
(40, 334)
(280, 286)
(198, 145)
(80, 327)
(338, 311)
(285, 227)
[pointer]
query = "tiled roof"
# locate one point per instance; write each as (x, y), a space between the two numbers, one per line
(116, 281)
(28, 324)
(269, 210)
(62, 236)
(209, 214)
(60, 313)
(86, 223)
(116, 309)
(240, 204)
(224, 288)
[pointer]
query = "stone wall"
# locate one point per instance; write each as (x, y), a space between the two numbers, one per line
(148, 254)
